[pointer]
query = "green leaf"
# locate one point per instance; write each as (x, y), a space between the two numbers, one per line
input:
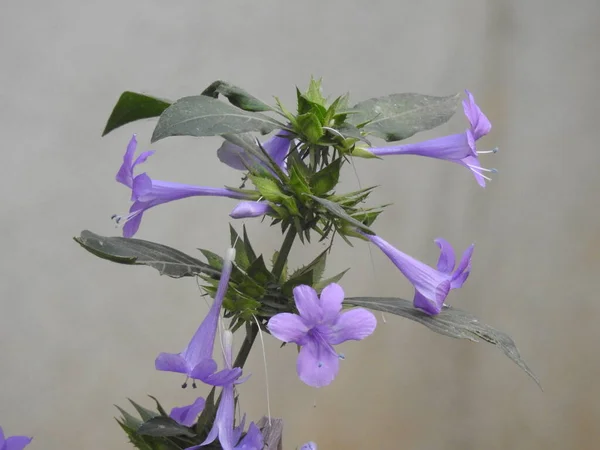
(326, 179)
(314, 92)
(144, 413)
(339, 212)
(310, 127)
(201, 115)
(305, 105)
(399, 116)
(162, 427)
(241, 257)
(298, 181)
(334, 279)
(132, 106)
(306, 277)
(268, 188)
(237, 96)
(317, 266)
(208, 414)
(450, 322)
(247, 246)
(128, 419)
(159, 407)
(258, 271)
(214, 260)
(284, 272)
(166, 260)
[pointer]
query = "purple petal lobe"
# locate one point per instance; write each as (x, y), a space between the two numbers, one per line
(480, 124)
(472, 163)
(235, 156)
(317, 364)
(142, 158)
(447, 261)
(253, 439)
(203, 369)
(224, 377)
(355, 324)
(332, 297)
(428, 305)
(187, 415)
(133, 223)
(250, 209)
(465, 261)
(278, 147)
(171, 363)
(16, 443)
(142, 187)
(288, 327)
(308, 304)
(309, 446)
(125, 173)
(459, 280)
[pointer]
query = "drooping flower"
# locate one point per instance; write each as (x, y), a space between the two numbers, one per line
(309, 446)
(13, 442)
(187, 415)
(459, 148)
(319, 327)
(431, 285)
(250, 209)
(147, 193)
(196, 360)
(223, 428)
(277, 147)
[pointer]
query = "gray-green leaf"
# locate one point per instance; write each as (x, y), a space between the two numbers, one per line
(132, 106)
(201, 115)
(339, 212)
(450, 322)
(237, 96)
(399, 116)
(166, 260)
(163, 426)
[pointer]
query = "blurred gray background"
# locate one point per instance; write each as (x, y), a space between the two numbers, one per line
(78, 334)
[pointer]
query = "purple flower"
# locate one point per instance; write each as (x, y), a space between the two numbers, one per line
(250, 209)
(187, 415)
(309, 446)
(196, 360)
(319, 327)
(14, 442)
(277, 147)
(431, 286)
(229, 436)
(147, 193)
(458, 148)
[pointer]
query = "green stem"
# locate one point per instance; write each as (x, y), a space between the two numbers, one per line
(283, 254)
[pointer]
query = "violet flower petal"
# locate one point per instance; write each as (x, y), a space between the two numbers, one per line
(253, 440)
(465, 260)
(331, 298)
(459, 280)
(317, 364)
(428, 305)
(480, 124)
(250, 209)
(288, 327)
(17, 442)
(187, 415)
(355, 324)
(171, 362)
(309, 446)
(472, 163)
(308, 304)
(453, 147)
(447, 260)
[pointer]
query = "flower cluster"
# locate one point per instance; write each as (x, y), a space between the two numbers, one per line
(294, 176)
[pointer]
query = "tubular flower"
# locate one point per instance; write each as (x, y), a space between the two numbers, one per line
(250, 209)
(196, 360)
(319, 327)
(147, 193)
(13, 442)
(309, 446)
(459, 148)
(277, 147)
(431, 285)
(229, 436)
(187, 415)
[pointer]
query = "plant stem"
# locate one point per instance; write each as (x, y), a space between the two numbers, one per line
(284, 253)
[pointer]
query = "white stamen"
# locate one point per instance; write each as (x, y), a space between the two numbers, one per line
(262, 343)
(483, 152)
(334, 131)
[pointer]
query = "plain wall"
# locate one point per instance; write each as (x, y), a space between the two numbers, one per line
(78, 334)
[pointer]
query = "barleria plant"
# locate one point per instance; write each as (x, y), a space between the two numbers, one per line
(290, 179)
